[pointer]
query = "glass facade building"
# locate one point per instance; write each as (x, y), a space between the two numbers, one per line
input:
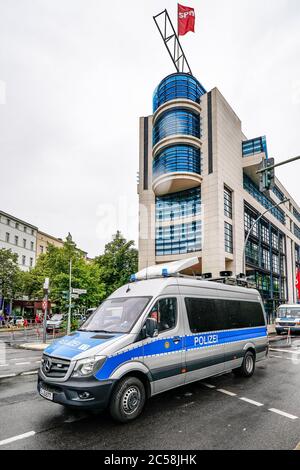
(180, 236)
(266, 260)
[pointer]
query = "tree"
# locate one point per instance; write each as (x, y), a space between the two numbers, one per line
(55, 264)
(119, 261)
(10, 277)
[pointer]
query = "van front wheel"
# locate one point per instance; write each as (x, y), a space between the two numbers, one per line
(248, 367)
(128, 400)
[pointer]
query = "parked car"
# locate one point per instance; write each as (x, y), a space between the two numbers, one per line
(288, 319)
(55, 323)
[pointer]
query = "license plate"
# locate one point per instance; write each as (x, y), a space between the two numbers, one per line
(46, 394)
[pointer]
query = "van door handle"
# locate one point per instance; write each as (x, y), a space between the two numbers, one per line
(176, 340)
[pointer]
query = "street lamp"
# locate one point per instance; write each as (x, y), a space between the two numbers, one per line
(252, 227)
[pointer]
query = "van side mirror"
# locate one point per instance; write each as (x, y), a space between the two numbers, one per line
(151, 328)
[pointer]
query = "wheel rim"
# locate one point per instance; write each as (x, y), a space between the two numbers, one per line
(131, 400)
(249, 364)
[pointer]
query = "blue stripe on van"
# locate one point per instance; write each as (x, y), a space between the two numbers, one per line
(167, 346)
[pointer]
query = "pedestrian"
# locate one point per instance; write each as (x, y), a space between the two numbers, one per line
(25, 323)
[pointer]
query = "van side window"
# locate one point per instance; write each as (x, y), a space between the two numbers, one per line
(165, 312)
(208, 315)
(202, 315)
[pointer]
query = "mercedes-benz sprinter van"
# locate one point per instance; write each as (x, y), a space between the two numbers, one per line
(151, 336)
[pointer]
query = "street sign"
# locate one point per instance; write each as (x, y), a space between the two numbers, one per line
(75, 296)
(79, 291)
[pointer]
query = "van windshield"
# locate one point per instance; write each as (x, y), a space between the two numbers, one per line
(116, 315)
(287, 312)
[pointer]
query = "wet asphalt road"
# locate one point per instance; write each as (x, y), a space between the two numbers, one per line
(209, 415)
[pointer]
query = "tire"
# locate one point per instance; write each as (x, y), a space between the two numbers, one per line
(128, 400)
(247, 369)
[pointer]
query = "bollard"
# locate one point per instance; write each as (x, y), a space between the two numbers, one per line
(289, 338)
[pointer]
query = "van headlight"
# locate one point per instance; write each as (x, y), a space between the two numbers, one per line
(87, 367)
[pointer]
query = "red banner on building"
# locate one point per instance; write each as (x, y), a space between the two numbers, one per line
(186, 20)
(298, 283)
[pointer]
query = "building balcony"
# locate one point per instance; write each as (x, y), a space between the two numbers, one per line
(177, 104)
(174, 140)
(175, 182)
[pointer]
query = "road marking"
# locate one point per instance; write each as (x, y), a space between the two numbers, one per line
(4, 365)
(282, 413)
(221, 390)
(22, 363)
(17, 438)
(289, 351)
(32, 372)
(6, 376)
(252, 402)
(208, 385)
(278, 357)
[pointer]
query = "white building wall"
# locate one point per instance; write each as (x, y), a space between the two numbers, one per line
(23, 231)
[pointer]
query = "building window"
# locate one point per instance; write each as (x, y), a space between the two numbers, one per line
(179, 205)
(265, 262)
(24, 243)
(32, 232)
(41, 249)
(227, 203)
(249, 219)
(265, 233)
(31, 262)
(7, 237)
(179, 239)
(17, 226)
(228, 238)
(252, 253)
(16, 240)
(275, 264)
(23, 260)
(25, 229)
(177, 86)
(275, 241)
(254, 146)
(176, 122)
(267, 203)
(177, 159)
(32, 246)
(297, 231)
(279, 194)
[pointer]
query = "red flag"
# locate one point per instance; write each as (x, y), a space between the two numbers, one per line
(298, 282)
(186, 20)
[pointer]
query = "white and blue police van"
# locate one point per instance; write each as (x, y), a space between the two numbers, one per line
(288, 319)
(163, 330)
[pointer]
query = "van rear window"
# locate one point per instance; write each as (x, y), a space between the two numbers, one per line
(206, 315)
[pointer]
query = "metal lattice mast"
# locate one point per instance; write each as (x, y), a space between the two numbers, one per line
(172, 43)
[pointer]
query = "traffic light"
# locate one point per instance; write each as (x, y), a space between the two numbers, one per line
(267, 177)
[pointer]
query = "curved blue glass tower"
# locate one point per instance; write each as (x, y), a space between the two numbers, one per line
(177, 164)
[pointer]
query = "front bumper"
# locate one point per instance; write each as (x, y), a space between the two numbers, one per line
(67, 393)
(285, 329)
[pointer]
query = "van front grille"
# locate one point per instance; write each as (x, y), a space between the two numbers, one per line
(55, 368)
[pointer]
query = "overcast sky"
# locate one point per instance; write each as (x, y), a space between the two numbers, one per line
(75, 75)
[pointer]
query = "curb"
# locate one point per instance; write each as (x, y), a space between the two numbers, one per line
(20, 374)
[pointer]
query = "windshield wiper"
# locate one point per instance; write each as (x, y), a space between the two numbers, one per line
(94, 331)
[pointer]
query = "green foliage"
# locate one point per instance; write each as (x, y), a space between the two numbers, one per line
(99, 277)
(10, 275)
(118, 262)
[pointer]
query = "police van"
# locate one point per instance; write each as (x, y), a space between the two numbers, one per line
(288, 319)
(163, 330)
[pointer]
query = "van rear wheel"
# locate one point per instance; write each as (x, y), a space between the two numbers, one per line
(128, 400)
(248, 367)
